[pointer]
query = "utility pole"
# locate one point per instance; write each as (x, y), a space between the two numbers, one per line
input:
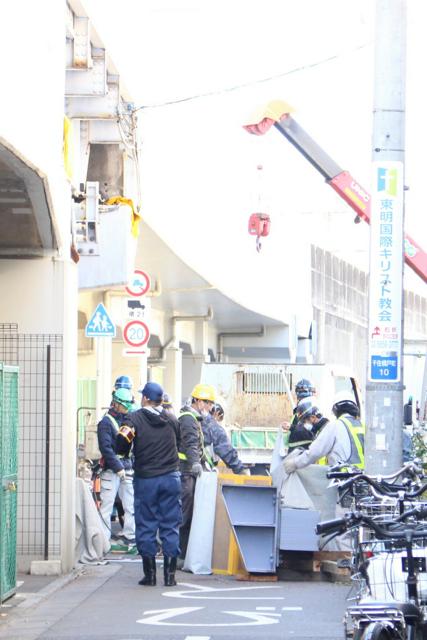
(384, 388)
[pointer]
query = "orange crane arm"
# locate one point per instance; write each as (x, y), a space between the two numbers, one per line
(278, 114)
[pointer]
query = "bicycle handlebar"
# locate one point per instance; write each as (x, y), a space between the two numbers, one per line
(384, 488)
(410, 468)
(340, 525)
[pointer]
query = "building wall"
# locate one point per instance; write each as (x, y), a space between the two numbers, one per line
(340, 304)
(40, 295)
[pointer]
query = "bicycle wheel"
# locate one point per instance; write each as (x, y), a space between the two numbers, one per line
(375, 631)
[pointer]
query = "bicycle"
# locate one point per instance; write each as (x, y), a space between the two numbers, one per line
(390, 618)
(379, 497)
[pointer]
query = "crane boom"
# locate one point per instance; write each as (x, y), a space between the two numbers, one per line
(278, 114)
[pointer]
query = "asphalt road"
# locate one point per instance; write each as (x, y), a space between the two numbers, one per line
(106, 602)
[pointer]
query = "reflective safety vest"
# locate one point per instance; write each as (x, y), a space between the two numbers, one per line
(300, 443)
(356, 432)
(112, 420)
(207, 457)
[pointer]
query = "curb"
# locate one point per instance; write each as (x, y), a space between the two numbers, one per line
(50, 589)
(28, 607)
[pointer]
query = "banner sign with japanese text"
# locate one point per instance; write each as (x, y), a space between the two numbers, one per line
(386, 264)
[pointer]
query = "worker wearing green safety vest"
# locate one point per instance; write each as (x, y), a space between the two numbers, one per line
(192, 455)
(340, 441)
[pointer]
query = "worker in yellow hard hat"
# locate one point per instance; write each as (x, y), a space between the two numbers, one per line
(193, 457)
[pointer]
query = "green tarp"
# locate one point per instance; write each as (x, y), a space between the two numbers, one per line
(247, 439)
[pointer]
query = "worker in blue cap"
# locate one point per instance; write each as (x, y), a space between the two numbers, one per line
(154, 435)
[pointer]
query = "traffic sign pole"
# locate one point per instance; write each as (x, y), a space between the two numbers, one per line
(135, 331)
(384, 388)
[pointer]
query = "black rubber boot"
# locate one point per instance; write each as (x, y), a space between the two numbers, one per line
(149, 567)
(169, 568)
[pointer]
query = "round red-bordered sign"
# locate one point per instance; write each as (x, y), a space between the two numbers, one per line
(139, 283)
(136, 333)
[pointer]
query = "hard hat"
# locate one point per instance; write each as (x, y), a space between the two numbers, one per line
(304, 388)
(124, 397)
(217, 408)
(305, 409)
(344, 402)
(166, 400)
(203, 392)
(123, 382)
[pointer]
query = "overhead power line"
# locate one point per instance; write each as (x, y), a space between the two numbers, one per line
(252, 83)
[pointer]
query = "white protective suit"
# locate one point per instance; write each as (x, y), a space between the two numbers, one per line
(333, 442)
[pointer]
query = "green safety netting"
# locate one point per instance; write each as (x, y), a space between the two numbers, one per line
(247, 439)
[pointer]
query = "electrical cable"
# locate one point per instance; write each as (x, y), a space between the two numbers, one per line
(252, 83)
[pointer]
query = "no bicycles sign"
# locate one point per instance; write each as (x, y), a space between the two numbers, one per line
(139, 284)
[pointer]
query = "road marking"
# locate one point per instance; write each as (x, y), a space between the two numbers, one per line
(200, 592)
(161, 617)
(197, 638)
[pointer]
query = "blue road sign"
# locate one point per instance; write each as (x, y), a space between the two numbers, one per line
(100, 325)
(384, 368)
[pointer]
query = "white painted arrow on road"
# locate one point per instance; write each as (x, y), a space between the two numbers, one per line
(163, 616)
(200, 592)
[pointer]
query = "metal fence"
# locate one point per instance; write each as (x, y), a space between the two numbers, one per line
(39, 358)
(8, 478)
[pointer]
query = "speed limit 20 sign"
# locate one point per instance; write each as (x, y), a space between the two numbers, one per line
(136, 334)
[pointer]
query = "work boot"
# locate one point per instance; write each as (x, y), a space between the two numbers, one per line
(149, 567)
(169, 568)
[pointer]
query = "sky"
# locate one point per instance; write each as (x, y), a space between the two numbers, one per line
(199, 68)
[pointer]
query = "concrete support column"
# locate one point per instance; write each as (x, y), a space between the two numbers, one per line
(67, 283)
(103, 349)
(201, 337)
(173, 376)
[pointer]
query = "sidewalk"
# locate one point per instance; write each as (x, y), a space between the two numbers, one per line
(42, 600)
(31, 590)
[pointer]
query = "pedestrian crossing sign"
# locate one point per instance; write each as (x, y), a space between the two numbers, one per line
(100, 324)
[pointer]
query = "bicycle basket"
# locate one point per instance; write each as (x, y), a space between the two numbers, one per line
(387, 574)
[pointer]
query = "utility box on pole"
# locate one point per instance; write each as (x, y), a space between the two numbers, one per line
(384, 388)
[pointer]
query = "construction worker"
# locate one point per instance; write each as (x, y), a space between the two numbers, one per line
(216, 439)
(340, 441)
(125, 382)
(154, 435)
(304, 389)
(117, 474)
(299, 435)
(167, 403)
(193, 458)
(310, 415)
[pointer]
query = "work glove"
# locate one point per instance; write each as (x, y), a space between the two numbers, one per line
(121, 474)
(197, 469)
(289, 464)
(244, 472)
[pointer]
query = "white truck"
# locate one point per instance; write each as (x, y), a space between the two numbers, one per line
(258, 398)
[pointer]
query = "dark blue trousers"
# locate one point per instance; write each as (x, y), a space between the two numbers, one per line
(158, 508)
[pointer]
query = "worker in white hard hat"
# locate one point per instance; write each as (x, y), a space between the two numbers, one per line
(340, 441)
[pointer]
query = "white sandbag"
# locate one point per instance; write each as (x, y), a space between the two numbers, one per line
(276, 466)
(294, 495)
(198, 558)
(91, 542)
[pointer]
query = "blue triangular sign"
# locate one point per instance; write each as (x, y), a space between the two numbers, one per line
(100, 324)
